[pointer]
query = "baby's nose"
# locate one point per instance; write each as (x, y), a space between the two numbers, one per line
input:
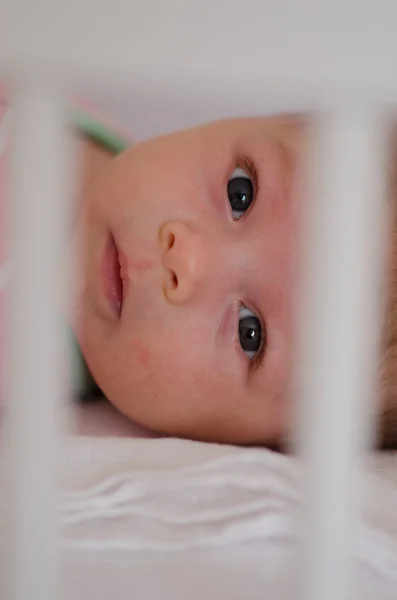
(183, 261)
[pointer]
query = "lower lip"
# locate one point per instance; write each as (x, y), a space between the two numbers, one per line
(113, 283)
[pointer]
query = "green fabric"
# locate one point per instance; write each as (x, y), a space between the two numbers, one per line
(81, 377)
(99, 133)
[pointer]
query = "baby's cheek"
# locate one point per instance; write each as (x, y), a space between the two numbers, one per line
(134, 362)
(131, 358)
(141, 353)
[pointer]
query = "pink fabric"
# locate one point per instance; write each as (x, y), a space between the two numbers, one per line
(4, 152)
(4, 159)
(3, 110)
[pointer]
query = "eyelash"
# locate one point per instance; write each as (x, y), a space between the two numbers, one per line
(256, 361)
(252, 170)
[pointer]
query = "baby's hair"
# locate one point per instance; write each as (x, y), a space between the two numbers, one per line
(388, 367)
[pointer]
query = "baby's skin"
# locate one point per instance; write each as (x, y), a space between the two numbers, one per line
(183, 303)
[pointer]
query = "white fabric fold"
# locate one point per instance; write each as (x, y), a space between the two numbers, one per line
(171, 494)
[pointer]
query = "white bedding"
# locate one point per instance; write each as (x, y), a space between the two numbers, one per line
(171, 518)
(169, 494)
(101, 419)
(158, 514)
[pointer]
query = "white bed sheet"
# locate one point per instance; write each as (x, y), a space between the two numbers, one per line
(101, 419)
(250, 564)
(239, 572)
(244, 547)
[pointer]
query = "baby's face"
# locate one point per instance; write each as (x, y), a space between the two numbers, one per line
(183, 307)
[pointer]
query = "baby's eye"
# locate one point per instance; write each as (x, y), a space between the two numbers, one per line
(249, 332)
(240, 191)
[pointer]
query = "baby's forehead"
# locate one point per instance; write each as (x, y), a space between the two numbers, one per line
(243, 126)
(230, 131)
(209, 137)
(206, 147)
(229, 128)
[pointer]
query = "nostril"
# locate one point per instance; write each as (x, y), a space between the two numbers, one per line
(171, 240)
(166, 238)
(171, 280)
(174, 280)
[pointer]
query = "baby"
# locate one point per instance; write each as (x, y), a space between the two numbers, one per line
(183, 300)
(183, 305)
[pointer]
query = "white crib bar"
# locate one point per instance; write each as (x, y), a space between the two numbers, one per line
(36, 380)
(339, 337)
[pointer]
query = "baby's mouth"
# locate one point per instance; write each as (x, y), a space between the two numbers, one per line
(113, 281)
